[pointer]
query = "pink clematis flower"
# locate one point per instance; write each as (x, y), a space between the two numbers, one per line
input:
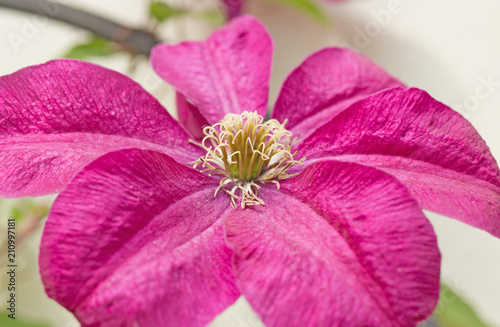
(138, 238)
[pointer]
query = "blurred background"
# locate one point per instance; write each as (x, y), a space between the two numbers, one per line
(448, 48)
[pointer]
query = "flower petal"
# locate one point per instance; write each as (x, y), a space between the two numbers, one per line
(340, 245)
(326, 83)
(57, 117)
(136, 239)
(429, 147)
(190, 117)
(228, 73)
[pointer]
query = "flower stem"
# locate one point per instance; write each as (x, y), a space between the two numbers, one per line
(138, 40)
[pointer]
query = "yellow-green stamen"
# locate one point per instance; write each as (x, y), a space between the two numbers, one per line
(245, 151)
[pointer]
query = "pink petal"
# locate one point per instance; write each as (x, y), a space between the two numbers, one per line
(232, 7)
(326, 83)
(228, 73)
(429, 147)
(340, 245)
(136, 239)
(57, 117)
(190, 117)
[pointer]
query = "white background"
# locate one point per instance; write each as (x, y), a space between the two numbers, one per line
(446, 47)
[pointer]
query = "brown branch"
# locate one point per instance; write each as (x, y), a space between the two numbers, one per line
(136, 39)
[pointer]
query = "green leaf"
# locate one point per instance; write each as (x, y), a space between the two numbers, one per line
(308, 7)
(96, 47)
(215, 17)
(22, 207)
(16, 213)
(162, 11)
(453, 311)
(5, 321)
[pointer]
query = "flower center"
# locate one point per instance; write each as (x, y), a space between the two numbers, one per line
(245, 152)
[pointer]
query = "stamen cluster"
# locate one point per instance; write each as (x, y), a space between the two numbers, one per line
(244, 150)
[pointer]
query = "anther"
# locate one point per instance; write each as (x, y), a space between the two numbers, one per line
(244, 151)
